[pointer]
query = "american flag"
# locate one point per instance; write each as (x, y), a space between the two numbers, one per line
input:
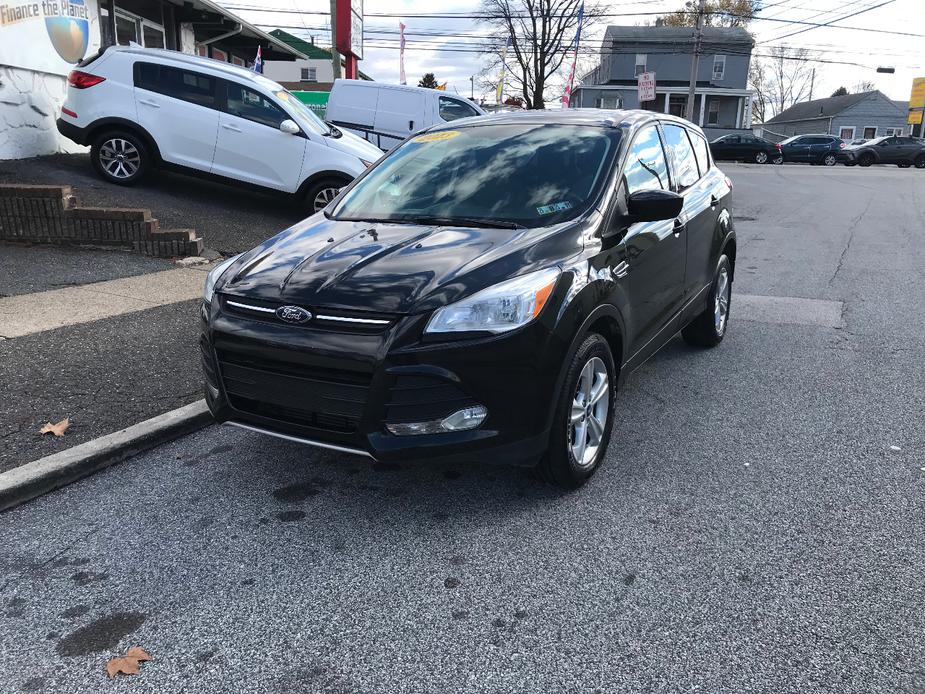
(258, 61)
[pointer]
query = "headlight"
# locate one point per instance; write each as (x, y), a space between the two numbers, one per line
(498, 309)
(213, 276)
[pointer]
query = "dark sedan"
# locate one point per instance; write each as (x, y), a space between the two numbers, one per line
(479, 293)
(813, 149)
(902, 151)
(746, 147)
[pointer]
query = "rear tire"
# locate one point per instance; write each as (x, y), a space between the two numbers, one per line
(830, 159)
(709, 328)
(761, 158)
(120, 157)
(920, 161)
(320, 193)
(866, 159)
(583, 419)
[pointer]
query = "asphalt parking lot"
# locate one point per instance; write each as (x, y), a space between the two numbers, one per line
(757, 527)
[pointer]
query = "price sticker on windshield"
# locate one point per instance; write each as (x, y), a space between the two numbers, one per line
(437, 136)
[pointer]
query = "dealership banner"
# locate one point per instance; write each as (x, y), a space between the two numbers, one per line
(48, 35)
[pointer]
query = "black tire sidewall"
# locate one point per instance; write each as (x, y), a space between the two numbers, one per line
(830, 157)
(308, 200)
(560, 463)
(136, 142)
(920, 161)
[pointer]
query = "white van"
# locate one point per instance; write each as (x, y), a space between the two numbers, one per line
(385, 114)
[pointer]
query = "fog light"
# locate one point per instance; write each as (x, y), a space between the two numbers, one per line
(462, 420)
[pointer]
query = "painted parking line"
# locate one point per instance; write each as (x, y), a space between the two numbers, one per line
(788, 309)
(33, 313)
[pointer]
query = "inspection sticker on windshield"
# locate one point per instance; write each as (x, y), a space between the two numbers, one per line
(555, 207)
(437, 137)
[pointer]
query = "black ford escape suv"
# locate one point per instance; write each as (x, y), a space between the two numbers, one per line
(480, 293)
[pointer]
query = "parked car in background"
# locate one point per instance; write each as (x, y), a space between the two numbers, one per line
(143, 108)
(746, 147)
(899, 150)
(385, 114)
(431, 314)
(858, 141)
(813, 149)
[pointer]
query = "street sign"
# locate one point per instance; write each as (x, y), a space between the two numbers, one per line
(646, 87)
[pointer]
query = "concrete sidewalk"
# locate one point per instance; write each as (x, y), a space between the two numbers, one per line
(59, 308)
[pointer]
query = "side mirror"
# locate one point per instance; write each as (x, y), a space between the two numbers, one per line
(290, 127)
(654, 205)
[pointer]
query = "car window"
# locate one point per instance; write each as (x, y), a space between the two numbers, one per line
(685, 163)
(733, 139)
(551, 173)
(451, 109)
(246, 103)
(646, 165)
(193, 87)
(702, 152)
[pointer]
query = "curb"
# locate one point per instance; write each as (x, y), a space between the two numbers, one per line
(51, 472)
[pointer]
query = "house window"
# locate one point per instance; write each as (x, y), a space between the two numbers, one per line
(132, 28)
(219, 55)
(713, 115)
(202, 50)
(640, 63)
(894, 131)
(870, 133)
(677, 104)
(309, 74)
(237, 61)
(846, 134)
(611, 102)
(719, 67)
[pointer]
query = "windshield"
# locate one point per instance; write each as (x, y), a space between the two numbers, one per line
(523, 174)
(311, 120)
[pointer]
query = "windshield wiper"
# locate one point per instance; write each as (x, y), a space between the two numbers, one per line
(465, 222)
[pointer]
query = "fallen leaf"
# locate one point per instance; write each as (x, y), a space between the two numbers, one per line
(127, 664)
(56, 429)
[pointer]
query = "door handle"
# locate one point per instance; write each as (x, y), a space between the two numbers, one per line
(713, 201)
(232, 128)
(679, 226)
(149, 103)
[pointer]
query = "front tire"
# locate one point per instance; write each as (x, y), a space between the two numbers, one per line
(920, 161)
(120, 157)
(321, 193)
(761, 158)
(866, 159)
(583, 421)
(709, 328)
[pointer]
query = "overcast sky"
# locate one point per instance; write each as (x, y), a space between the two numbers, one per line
(428, 51)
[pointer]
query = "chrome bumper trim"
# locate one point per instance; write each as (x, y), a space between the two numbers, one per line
(299, 439)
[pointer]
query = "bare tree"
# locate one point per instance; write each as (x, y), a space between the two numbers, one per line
(540, 34)
(719, 13)
(782, 80)
(864, 86)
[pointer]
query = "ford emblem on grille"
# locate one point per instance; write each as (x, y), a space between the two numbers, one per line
(293, 314)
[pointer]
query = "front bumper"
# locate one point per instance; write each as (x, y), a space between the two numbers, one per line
(846, 157)
(337, 385)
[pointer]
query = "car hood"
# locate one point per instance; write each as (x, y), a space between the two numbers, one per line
(390, 268)
(355, 145)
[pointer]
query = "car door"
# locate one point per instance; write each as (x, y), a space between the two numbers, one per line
(450, 109)
(398, 114)
(689, 178)
(889, 151)
(179, 109)
(748, 147)
(251, 147)
(798, 150)
(724, 148)
(652, 252)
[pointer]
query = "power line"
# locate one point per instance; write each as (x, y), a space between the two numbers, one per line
(829, 23)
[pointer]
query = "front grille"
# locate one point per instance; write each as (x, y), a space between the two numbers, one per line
(424, 398)
(337, 321)
(208, 367)
(300, 394)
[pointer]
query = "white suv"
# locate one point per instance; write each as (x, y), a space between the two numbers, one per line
(139, 108)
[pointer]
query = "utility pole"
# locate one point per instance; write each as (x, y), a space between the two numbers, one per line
(472, 87)
(812, 83)
(335, 56)
(695, 62)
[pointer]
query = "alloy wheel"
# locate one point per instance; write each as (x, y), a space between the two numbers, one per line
(119, 158)
(829, 160)
(324, 196)
(721, 303)
(761, 157)
(590, 408)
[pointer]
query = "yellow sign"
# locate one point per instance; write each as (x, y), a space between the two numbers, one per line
(915, 117)
(917, 98)
(437, 136)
